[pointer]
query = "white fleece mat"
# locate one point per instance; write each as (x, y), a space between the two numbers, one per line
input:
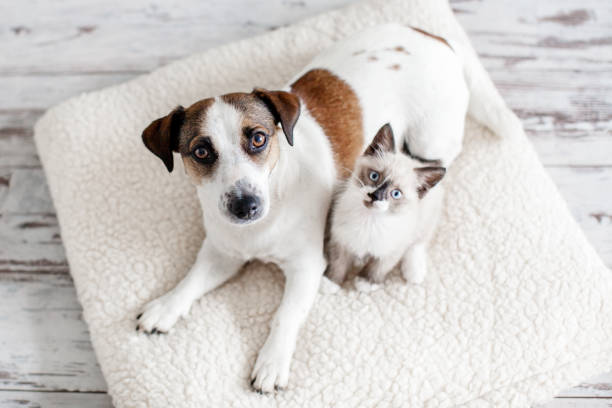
(518, 304)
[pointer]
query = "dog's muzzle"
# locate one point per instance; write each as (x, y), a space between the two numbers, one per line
(245, 207)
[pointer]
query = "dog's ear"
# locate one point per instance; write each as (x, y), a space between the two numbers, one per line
(162, 135)
(284, 106)
(383, 141)
(427, 178)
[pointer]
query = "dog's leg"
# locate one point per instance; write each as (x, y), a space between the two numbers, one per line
(210, 270)
(302, 277)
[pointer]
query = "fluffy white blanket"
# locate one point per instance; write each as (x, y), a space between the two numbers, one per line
(519, 304)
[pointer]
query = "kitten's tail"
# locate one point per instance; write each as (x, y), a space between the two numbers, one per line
(486, 105)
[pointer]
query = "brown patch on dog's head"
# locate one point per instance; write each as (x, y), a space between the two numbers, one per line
(259, 121)
(183, 131)
(335, 107)
(284, 107)
(173, 132)
(395, 67)
(435, 37)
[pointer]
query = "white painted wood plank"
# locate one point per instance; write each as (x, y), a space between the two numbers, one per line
(538, 36)
(139, 35)
(44, 344)
(39, 92)
(588, 192)
(30, 399)
(136, 35)
(599, 386)
(577, 403)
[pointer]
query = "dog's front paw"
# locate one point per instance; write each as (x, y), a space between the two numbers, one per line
(365, 285)
(159, 315)
(271, 371)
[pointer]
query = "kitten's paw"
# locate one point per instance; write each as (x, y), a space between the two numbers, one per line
(159, 315)
(414, 275)
(365, 285)
(328, 287)
(414, 266)
(271, 371)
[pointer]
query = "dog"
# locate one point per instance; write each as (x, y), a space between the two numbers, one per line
(265, 165)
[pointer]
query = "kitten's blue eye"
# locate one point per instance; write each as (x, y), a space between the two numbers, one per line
(374, 176)
(396, 194)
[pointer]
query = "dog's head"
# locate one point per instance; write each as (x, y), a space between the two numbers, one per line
(229, 146)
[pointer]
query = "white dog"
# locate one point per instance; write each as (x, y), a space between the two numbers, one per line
(264, 197)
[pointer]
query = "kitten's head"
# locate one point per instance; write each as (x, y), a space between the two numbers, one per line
(387, 180)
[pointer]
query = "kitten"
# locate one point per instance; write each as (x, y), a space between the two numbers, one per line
(384, 214)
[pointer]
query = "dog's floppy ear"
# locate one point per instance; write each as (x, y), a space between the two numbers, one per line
(162, 135)
(427, 178)
(383, 141)
(284, 106)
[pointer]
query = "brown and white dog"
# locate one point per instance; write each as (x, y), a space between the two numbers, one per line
(265, 164)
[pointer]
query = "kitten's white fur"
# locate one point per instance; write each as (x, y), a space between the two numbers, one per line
(396, 232)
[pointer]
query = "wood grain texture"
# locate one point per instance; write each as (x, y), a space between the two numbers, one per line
(31, 399)
(44, 344)
(552, 61)
(577, 403)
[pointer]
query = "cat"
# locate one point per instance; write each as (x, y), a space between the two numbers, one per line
(383, 215)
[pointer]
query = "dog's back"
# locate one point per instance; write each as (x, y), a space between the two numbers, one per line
(406, 77)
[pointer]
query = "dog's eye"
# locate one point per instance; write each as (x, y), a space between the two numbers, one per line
(204, 154)
(374, 176)
(259, 139)
(201, 153)
(396, 194)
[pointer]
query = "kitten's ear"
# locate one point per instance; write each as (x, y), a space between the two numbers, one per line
(383, 142)
(427, 178)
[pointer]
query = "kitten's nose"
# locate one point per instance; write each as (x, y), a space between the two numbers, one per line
(379, 193)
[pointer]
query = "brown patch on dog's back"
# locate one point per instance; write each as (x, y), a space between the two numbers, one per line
(358, 52)
(435, 37)
(372, 58)
(395, 67)
(335, 106)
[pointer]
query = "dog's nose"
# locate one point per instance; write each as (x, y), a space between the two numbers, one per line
(245, 207)
(379, 193)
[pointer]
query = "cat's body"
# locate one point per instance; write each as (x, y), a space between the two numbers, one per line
(384, 214)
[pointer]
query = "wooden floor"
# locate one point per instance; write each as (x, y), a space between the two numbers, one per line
(552, 61)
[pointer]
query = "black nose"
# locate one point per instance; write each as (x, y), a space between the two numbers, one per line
(379, 193)
(244, 207)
